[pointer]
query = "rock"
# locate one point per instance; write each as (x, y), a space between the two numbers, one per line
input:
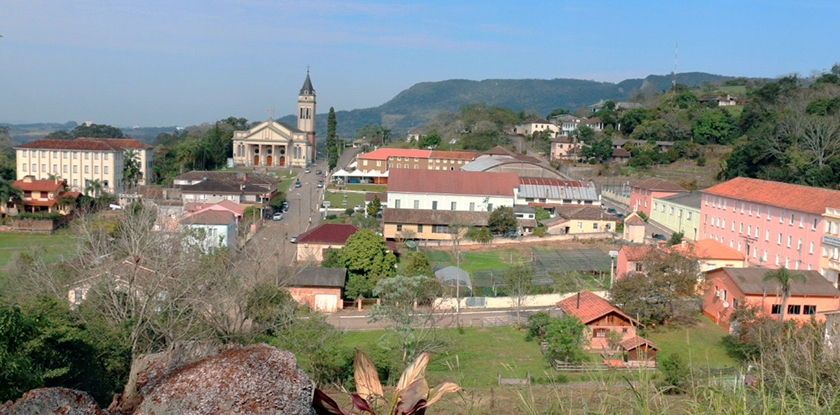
(258, 379)
(53, 401)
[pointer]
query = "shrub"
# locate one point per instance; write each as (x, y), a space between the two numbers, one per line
(675, 374)
(540, 231)
(537, 323)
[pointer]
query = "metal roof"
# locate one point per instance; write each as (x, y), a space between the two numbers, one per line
(566, 190)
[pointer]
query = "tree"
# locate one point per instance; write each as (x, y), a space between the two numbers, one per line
(9, 195)
(374, 207)
(713, 126)
(332, 140)
(97, 131)
(557, 111)
(785, 279)
(599, 151)
(409, 326)
(565, 338)
(367, 259)
(429, 141)
(519, 284)
(502, 221)
(632, 118)
(665, 291)
(131, 169)
(416, 263)
(94, 187)
(59, 135)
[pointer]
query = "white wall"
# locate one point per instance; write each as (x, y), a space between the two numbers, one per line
(462, 202)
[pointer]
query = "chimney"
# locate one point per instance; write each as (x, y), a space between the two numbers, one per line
(578, 300)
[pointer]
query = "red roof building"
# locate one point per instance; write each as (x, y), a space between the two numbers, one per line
(642, 193)
(312, 243)
(42, 196)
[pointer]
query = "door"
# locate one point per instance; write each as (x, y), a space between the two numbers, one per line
(325, 302)
(282, 161)
(257, 160)
(268, 161)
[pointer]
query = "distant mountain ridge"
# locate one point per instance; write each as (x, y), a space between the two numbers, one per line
(415, 106)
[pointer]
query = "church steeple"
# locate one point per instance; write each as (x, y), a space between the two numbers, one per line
(307, 86)
(306, 113)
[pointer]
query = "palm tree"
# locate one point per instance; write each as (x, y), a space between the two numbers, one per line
(131, 169)
(94, 187)
(784, 278)
(9, 195)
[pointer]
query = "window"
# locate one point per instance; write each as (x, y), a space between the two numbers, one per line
(599, 333)
(638, 267)
(750, 209)
(733, 226)
(105, 169)
(95, 169)
(396, 202)
(87, 155)
(595, 226)
(55, 154)
(96, 156)
(758, 211)
(75, 168)
(777, 260)
(416, 167)
(801, 221)
(756, 232)
(472, 206)
(87, 169)
(417, 204)
(489, 207)
(767, 235)
(399, 228)
(768, 213)
(23, 153)
(34, 167)
(809, 310)
(75, 155)
(811, 247)
(580, 225)
(75, 182)
(55, 168)
(453, 206)
(43, 153)
(794, 309)
(671, 212)
(741, 228)
(799, 244)
(679, 213)
(780, 239)
(434, 205)
(43, 168)
(790, 240)
(791, 218)
(24, 167)
(64, 168)
(105, 156)
(655, 205)
(814, 227)
(777, 309)
(689, 215)
(419, 228)
(734, 303)
(440, 229)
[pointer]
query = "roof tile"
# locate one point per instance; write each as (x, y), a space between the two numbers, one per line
(789, 196)
(587, 306)
(328, 233)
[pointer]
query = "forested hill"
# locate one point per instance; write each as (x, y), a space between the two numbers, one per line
(417, 105)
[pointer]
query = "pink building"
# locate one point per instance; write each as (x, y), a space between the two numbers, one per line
(774, 224)
(730, 288)
(641, 193)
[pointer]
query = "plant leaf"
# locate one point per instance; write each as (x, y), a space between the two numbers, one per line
(324, 405)
(414, 371)
(437, 392)
(413, 397)
(361, 404)
(367, 379)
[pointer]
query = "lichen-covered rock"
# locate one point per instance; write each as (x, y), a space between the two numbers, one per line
(258, 379)
(48, 401)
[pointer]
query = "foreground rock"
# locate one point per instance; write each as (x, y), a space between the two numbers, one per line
(258, 379)
(49, 401)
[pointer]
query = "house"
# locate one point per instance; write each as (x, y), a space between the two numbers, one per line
(830, 252)
(721, 100)
(210, 230)
(413, 135)
(663, 146)
(82, 161)
(620, 156)
(730, 288)
(526, 216)
(430, 224)
(211, 191)
(455, 190)
(774, 224)
(634, 229)
(709, 253)
(223, 205)
(312, 243)
(679, 213)
(603, 318)
(549, 192)
(572, 220)
(564, 148)
(643, 192)
(274, 144)
(227, 177)
(43, 196)
(536, 125)
(317, 287)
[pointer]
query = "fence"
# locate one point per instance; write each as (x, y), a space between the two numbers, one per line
(539, 300)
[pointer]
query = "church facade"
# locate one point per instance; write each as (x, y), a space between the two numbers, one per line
(274, 144)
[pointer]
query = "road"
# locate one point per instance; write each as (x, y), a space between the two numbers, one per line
(351, 319)
(651, 227)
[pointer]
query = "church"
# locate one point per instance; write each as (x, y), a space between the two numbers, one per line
(274, 144)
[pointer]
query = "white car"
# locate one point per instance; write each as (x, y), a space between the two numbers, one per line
(359, 208)
(293, 239)
(277, 216)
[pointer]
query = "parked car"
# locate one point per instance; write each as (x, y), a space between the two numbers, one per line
(612, 211)
(318, 172)
(293, 239)
(307, 170)
(277, 216)
(320, 184)
(659, 237)
(284, 207)
(297, 183)
(358, 208)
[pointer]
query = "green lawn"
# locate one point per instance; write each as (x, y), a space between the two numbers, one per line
(700, 345)
(491, 259)
(337, 199)
(473, 358)
(50, 246)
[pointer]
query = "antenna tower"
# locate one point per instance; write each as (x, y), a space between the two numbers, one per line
(676, 51)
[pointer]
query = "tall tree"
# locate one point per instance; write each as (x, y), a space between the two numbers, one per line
(785, 279)
(97, 131)
(519, 284)
(368, 260)
(332, 140)
(131, 169)
(502, 221)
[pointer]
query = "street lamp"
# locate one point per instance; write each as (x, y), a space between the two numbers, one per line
(613, 255)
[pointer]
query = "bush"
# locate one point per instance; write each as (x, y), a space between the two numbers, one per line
(540, 231)
(39, 215)
(674, 374)
(331, 217)
(537, 323)
(701, 161)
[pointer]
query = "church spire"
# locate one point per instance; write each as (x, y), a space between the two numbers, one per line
(307, 85)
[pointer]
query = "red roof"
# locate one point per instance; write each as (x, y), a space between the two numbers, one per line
(711, 249)
(328, 233)
(659, 185)
(210, 217)
(635, 253)
(634, 342)
(789, 196)
(445, 154)
(634, 219)
(40, 202)
(86, 143)
(384, 153)
(453, 182)
(548, 181)
(588, 307)
(38, 185)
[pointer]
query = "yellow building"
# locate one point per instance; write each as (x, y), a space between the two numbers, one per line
(580, 219)
(830, 256)
(82, 161)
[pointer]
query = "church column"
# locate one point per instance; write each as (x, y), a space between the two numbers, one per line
(273, 155)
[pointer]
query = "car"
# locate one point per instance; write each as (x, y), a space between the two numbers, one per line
(297, 183)
(284, 207)
(619, 215)
(612, 211)
(319, 172)
(659, 237)
(293, 239)
(277, 216)
(320, 184)
(307, 170)
(358, 208)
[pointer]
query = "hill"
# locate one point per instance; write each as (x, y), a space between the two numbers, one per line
(418, 104)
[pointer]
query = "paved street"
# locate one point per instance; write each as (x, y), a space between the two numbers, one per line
(651, 227)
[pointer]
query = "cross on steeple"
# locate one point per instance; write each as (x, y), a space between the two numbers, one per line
(307, 69)
(271, 112)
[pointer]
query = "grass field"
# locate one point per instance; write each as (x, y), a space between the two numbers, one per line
(701, 345)
(48, 246)
(337, 199)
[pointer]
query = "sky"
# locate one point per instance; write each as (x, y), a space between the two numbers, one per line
(185, 62)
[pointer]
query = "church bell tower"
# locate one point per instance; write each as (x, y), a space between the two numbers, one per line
(306, 113)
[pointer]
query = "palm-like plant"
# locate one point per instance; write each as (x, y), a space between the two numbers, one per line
(784, 278)
(131, 168)
(9, 195)
(411, 396)
(94, 187)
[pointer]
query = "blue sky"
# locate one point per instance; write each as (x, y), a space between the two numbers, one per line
(157, 63)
